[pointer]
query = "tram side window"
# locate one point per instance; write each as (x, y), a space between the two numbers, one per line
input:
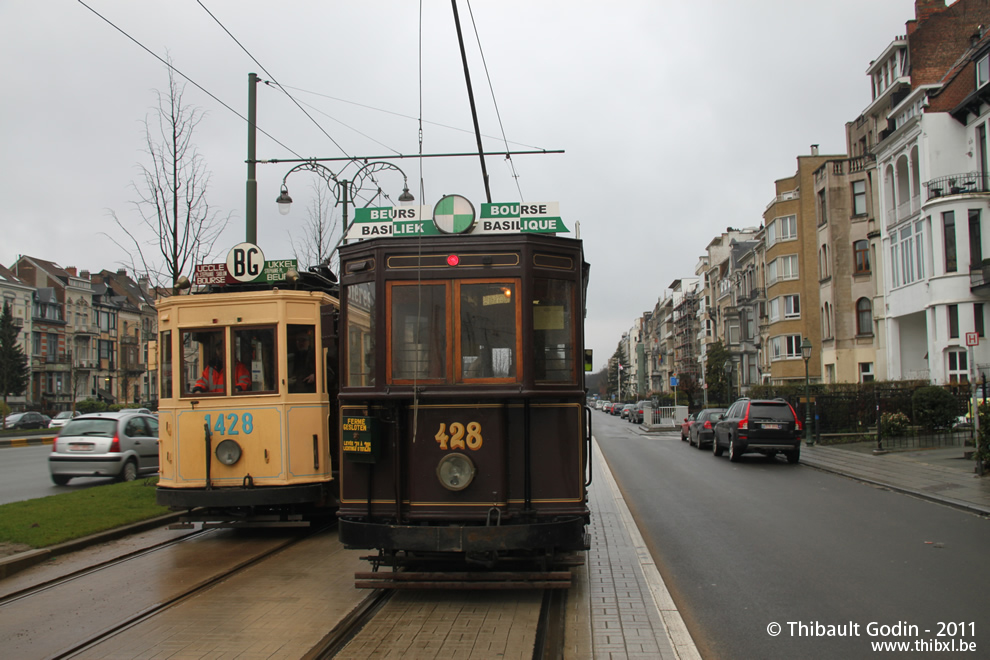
(361, 335)
(165, 364)
(419, 331)
(553, 330)
(254, 360)
(488, 330)
(203, 362)
(302, 359)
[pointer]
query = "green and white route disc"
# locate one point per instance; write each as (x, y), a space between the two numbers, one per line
(454, 214)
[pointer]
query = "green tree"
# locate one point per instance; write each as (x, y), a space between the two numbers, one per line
(715, 376)
(14, 372)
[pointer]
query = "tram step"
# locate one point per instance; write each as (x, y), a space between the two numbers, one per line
(464, 580)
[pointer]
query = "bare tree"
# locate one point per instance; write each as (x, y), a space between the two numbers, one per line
(172, 191)
(319, 233)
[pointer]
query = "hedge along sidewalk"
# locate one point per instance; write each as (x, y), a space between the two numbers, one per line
(66, 522)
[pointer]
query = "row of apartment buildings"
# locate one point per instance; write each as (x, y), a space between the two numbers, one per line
(85, 334)
(878, 256)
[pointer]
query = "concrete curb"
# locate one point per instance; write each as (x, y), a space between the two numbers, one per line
(939, 499)
(15, 563)
(27, 442)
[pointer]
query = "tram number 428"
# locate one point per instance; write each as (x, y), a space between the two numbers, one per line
(231, 424)
(460, 437)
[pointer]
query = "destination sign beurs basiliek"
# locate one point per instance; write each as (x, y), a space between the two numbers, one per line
(502, 218)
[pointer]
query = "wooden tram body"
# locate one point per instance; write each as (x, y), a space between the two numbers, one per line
(464, 427)
(267, 454)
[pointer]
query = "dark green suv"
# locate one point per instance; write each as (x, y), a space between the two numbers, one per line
(767, 426)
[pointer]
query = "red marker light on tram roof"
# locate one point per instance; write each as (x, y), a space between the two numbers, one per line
(453, 260)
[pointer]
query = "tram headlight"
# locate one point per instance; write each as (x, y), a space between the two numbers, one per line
(228, 452)
(455, 471)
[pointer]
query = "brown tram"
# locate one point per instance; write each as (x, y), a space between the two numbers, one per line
(464, 432)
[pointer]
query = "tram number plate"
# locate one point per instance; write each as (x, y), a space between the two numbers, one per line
(460, 436)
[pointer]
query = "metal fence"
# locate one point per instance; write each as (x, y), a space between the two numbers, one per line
(851, 416)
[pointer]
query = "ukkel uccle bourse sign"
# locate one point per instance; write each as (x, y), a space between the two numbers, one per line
(245, 263)
(502, 218)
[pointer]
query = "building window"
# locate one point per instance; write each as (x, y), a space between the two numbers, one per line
(958, 367)
(822, 208)
(782, 229)
(859, 197)
(785, 347)
(829, 373)
(949, 238)
(953, 321)
(782, 268)
(975, 240)
(864, 317)
(823, 270)
(861, 256)
(978, 319)
(866, 372)
(983, 71)
(907, 255)
(792, 306)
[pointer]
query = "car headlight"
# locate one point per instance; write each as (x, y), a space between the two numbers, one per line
(228, 452)
(455, 471)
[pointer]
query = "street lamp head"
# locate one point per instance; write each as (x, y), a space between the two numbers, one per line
(806, 349)
(406, 196)
(727, 366)
(284, 201)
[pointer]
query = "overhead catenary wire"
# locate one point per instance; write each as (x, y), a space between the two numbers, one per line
(184, 76)
(491, 88)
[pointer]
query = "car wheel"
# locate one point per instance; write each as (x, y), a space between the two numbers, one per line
(129, 472)
(716, 449)
(60, 480)
(793, 456)
(733, 451)
(700, 446)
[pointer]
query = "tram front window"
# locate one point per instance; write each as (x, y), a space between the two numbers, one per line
(254, 360)
(419, 331)
(488, 330)
(553, 331)
(302, 359)
(361, 335)
(203, 362)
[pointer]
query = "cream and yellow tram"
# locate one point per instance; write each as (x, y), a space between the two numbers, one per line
(246, 379)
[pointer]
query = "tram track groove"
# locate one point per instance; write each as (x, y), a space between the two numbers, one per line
(151, 611)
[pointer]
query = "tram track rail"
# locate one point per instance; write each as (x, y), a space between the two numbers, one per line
(89, 640)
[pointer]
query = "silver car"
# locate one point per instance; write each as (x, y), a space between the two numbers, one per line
(113, 444)
(61, 419)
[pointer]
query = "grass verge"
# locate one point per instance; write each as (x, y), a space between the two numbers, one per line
(56, 519)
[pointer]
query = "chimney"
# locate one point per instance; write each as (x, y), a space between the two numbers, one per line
(925, 9)
(814, 150)
(71, 270)
(84, 274)
(122, 272)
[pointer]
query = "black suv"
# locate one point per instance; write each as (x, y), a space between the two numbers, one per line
(759, 425)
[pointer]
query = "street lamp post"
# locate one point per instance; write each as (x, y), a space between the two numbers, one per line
(806, 354)
(728, 381)
(344, 190)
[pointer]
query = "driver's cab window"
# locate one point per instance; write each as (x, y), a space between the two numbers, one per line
(254, 360)
(301, 358)
(203, 355)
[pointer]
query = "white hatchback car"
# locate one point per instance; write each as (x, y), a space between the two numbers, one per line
(61, 419)
(113, 444)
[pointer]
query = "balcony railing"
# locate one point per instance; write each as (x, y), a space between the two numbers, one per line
(957, 184)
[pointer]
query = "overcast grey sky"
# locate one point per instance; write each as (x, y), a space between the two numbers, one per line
(676, 117)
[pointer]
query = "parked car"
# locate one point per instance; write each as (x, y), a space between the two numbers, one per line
(758, 425)
(112, 444)
(626, 411)
(137, 410)
(686, 427)
(60, 420)
(617, 408)
(636, 415)
(703, 429)
(27, 420)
